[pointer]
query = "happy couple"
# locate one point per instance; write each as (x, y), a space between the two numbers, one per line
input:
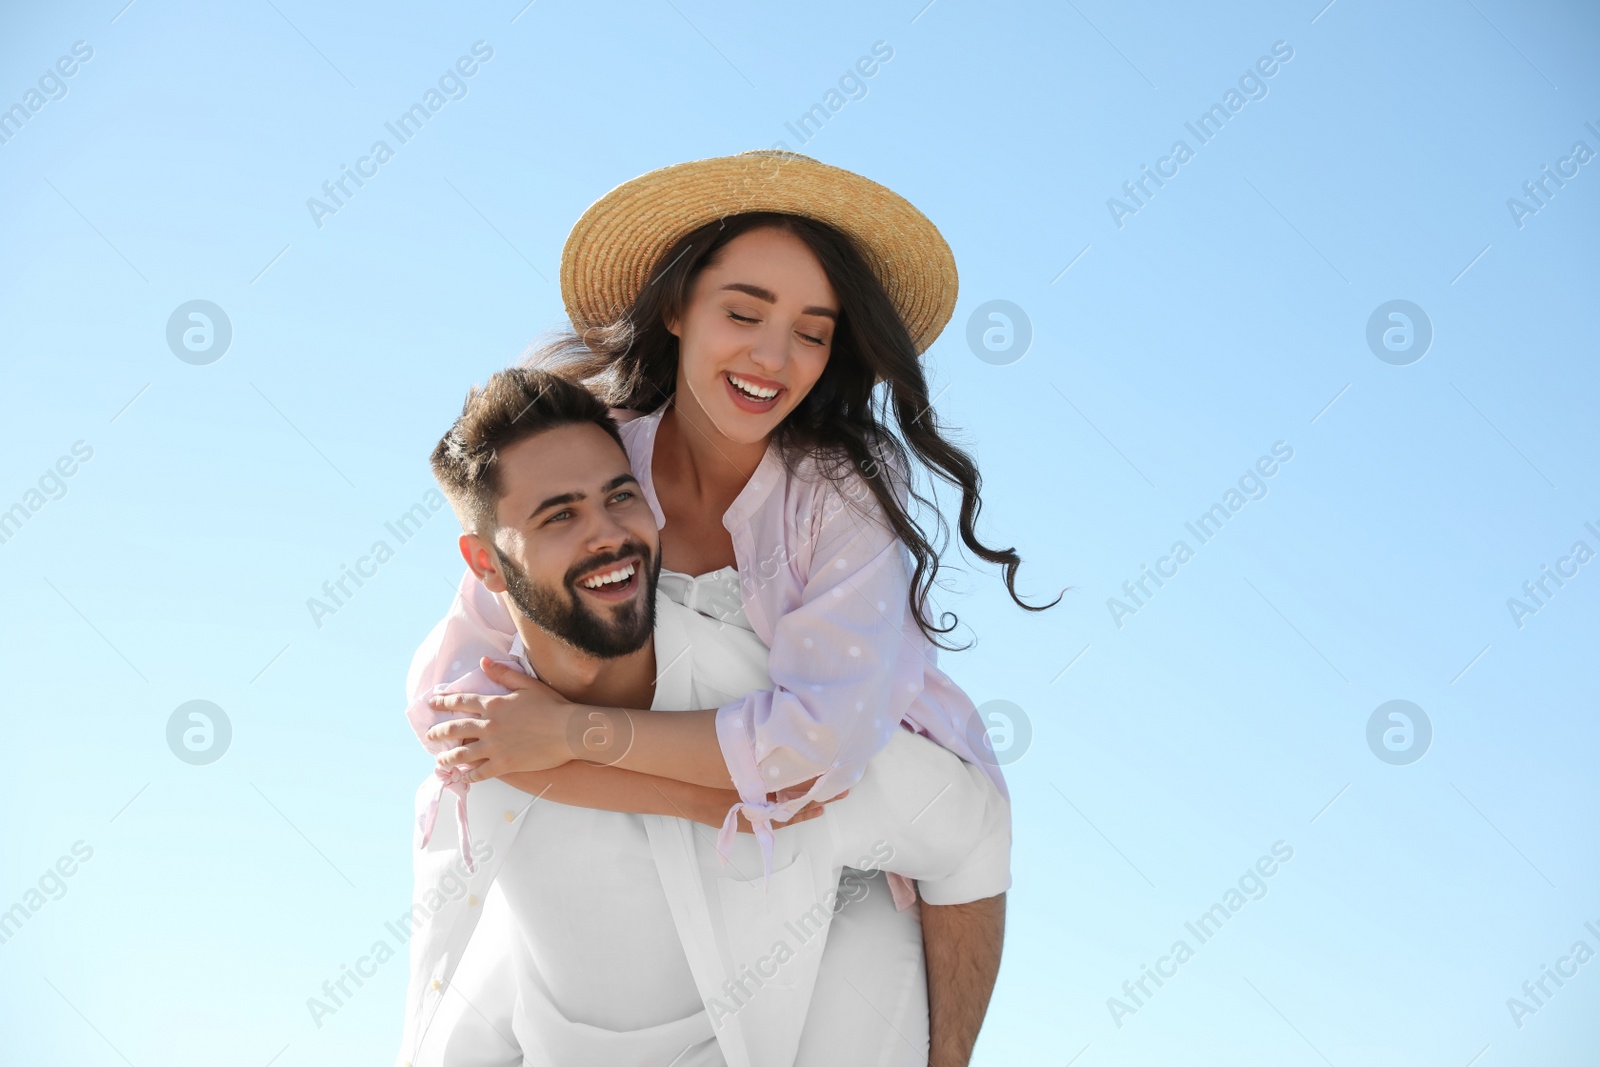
(686, 707)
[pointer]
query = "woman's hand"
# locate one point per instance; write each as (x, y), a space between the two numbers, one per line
(525, 730)
(723, 799)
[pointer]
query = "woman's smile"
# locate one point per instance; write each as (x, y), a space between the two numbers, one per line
(754, 393)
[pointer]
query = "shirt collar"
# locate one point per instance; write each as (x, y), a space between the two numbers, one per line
(519, 652)
(755, 492)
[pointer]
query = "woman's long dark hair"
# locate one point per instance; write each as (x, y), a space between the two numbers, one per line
(633, 363)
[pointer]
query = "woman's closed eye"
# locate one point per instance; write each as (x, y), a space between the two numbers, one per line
(808, 338)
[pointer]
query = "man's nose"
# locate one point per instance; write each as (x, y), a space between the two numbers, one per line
(605, 532)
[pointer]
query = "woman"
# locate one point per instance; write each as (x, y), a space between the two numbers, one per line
(749, 305)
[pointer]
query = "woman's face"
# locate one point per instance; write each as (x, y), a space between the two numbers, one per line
(755, 334)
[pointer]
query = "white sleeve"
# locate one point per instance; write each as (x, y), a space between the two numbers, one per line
(922, 812)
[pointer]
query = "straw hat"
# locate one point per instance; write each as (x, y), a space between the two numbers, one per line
(618, 243)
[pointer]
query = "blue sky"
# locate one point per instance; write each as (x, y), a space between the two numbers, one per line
(1176, 340)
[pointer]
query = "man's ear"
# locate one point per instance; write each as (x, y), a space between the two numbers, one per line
(483, 562)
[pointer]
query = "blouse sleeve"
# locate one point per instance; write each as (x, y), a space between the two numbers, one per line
(846, 661)
(476, 625)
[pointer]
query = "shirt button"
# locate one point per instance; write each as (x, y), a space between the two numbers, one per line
(437, 985)
(472, 902)
(510, 815)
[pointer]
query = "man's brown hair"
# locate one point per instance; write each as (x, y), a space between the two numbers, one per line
(513, 405)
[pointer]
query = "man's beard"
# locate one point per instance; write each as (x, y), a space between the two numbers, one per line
(563, 614)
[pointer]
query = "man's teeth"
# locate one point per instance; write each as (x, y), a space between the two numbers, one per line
(608, 579)
(750, 388)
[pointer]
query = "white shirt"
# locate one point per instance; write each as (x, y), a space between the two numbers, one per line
(919, 810)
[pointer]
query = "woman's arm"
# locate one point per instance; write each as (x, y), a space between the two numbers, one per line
(536, 729)
(846, 660)
(588, 785)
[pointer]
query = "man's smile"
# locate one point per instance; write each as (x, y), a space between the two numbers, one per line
(613, 583)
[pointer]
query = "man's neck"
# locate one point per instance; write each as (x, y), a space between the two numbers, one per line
(622, 682)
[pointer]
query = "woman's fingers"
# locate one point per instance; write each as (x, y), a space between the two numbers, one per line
(457, 729)
(506, 675)
(464, 754)
(462, 703)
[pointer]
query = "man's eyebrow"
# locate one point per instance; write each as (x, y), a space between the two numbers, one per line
(572, 498)
(770, 297)
(556, 501)
(619, 481)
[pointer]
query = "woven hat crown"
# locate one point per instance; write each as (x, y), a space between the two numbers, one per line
(618, 243)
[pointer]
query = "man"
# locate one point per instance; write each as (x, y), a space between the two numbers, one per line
(617, 934)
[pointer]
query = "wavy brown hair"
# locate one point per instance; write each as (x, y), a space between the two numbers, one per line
(633, 363)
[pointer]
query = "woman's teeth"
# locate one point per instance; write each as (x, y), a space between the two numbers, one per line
(610, 578)
(752, 390)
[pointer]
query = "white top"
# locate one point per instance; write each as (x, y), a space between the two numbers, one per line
(593, 869)
(918, 810)
(714, 594)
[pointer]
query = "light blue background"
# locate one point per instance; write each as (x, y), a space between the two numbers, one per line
(1226, 315)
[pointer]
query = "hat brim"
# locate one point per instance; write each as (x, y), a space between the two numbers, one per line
(620, 240)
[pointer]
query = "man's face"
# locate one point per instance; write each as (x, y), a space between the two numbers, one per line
(576, 547)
